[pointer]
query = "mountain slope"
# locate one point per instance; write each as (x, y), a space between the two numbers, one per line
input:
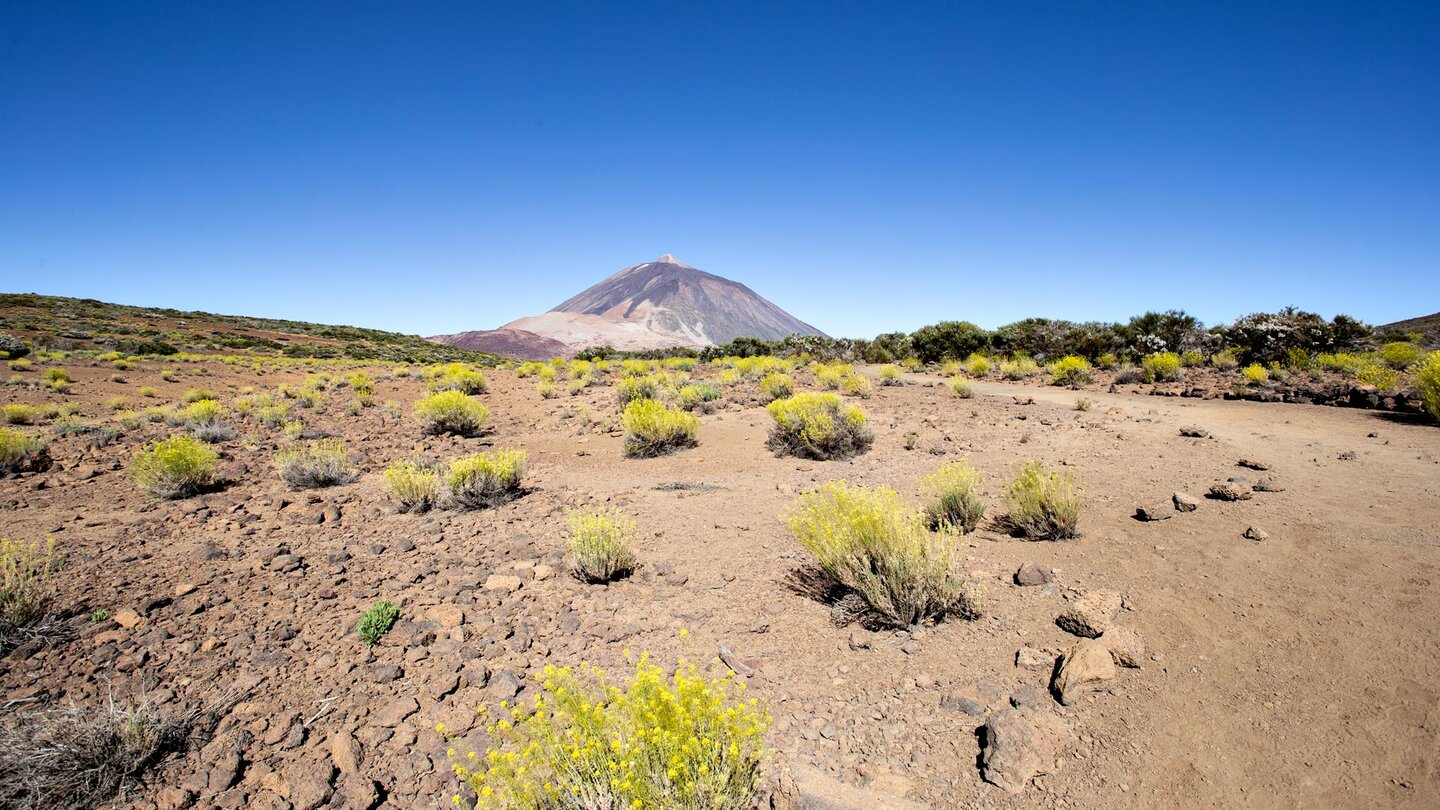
(518, 343)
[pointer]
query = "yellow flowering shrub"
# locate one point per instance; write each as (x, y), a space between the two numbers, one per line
(600, 545)
(452, 412)
(777, 385)
(977, 365)
(1070, 370)
(653, 429)
(1427, 382)
(831, 375)
(682, 741)
(175, 468)
(953, 497)
(961, 387)
(1162, 367)
(1044, 504)
(1255, 374)
(891, 374)
(633, 389)
(414, 486)
(486, 479)
(867, 540)
(203, 412)
(817, 425)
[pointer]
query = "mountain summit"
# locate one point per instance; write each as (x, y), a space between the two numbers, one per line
(659, 304)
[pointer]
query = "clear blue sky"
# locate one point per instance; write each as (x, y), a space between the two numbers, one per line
(433, 167)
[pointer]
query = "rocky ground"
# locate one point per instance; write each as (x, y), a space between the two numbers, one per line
(1292, 670)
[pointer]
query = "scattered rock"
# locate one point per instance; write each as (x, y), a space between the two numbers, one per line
(1082, 669)
(1229, 492)
(503, 582)
(1152, 512)
(1267, 485)
(1256, 533)
(127, 618)
(447, 616)
(807, 788)
(960, 703)
(1126, 646)
(1031, 573)
(1253, 464)
(733, 661)
(1021, 744)
(395, 713)
(1091, 614)
(1184, 503)
(1028, 657)
(1194, 432)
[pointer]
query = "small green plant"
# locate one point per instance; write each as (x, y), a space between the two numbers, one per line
(176, 467)
(1255, 374)
(961, 387)
(168, 375)
(1161, 367)
(27, 585)
(953, 498)
(486, 479)
(377, 621)
(414, 486)
(57, 375)
(600, 545)
(653, 429)
(1044, 504)
(1427, 383)
(891, 375)
(99, 615)
(867, 541)
(678, 741)
(294, 430)
(817, 426)
(452, 412)
(361, 383)
(322, 463)
(1071, 370)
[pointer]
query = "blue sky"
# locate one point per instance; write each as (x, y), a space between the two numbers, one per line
(433, 167)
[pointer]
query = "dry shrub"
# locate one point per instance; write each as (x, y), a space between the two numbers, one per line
(321, 463)
(653, 429)
(868, 541)
(818, 426)
(19, 451)
(953, 498)
(486, 479)
(27, 589)
(891, 375)
(452, 412)
(414, 486)
(600, 545)
(177, 467)
(1044, 504)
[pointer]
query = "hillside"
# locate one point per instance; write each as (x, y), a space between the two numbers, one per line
(84, 323)
(1427, 325)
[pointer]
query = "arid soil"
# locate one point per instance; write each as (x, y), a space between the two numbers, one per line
(1295, 671)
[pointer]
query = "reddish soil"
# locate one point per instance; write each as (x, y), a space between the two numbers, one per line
(1293, 672)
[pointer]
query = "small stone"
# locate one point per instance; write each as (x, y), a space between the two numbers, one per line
(1091, 614)
(1253, 464)
(859, 640)
(127, 618)
(1194, 432)
(960, 703)
(503, 582)
(1084, 667)
(1152, 512)
(1184, 503)
(1028, 657)
(1256, 533)
(1031, 573)
(1030, 696)
(1229, 492)
(447, 616)
(1267, 485)
(1126, 646)
(911, 647)
(395, 713)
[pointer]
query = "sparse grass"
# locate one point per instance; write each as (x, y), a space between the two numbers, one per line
(1044, 504)
(377, 621)
(18, 414)
(961, 387)
(1161, 367)
(27, 588)
(600, 545)
(452, 412)
(653, 429)
(486, 479)
(817, 426)
(891, 375)
(661, 741)
(176, 467)
(1071, 370)
(952, 496)
(414, 486)
(868, 541)
(322, 463)
(1427, 383)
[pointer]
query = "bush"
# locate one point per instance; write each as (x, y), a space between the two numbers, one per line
(693, 396)
(668, 742)
(961, 387)
(17, 414)
(1162, 367)
(817, 426)
(831, 375)
(322, 463)
(1383, 378)
(1020, 368)
(546, 389)
(486, 479)
(977, 365)
(953, 494)
(57, 375)
(1255, 374)
(866, 540)
(415, 487)
(891, 375)
(198, 395)
(1107, 360)
(1044, 504)
(634, 389)
(600, 545)
(204, 412)
(176, 467)
(452, 412)
(1070, 370)
(458, 377)
(27, 587)
(1227, 360)
(377, 621)
(1427, 382)
(652, 429)
(1401, 355)
(1084, 403)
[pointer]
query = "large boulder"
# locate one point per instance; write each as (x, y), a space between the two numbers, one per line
(12, 347)
(1021, 744)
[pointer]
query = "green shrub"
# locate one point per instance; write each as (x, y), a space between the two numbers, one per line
(693, 396)
(27, 586)
(1401, 355)
(977, 365)
(961, 387)
(678, 742)
(1161, 367)
(452, 412)
(953, 498)
(204, 412)
(1255, 374)
(1298, 359)
(546, 389)
(652, 429)
(17, 414)
(1383, 378)
(1044, 504)
(867, 541)
(831, 375)
(176, 467)
(322, 463)
(891, 375)
(634, 389)
(361, 383)
(198, 395)
(377, 621)
(147, 391)
(1020, 368)
(1427, 382)
(1070, 370)
(1192, 359)
(818, 426)
(486, 479)
(21, 365)
(57, 375)
(600, 545)
(457, 377)
(415, 487)
(1107, 361)
(1227, 360)
(856, 385)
